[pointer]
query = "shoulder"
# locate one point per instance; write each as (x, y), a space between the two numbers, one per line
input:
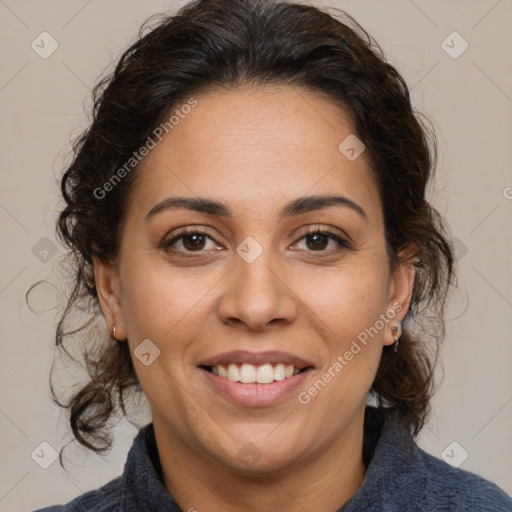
(458, 489)
(402, 476)
(104, 499)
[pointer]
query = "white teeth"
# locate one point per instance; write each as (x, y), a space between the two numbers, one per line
(233, 373)
(248, 373)
(279, 372)
(265, 374)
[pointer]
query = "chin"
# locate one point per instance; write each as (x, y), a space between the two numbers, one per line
(257, 455)
(250, 461)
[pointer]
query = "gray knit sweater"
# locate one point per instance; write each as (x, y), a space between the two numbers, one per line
(399, 477)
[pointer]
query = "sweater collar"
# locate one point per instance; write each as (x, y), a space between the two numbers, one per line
(395, 478)
(393, 472)
(143, 488)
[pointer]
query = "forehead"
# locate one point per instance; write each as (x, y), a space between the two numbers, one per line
(255, 149)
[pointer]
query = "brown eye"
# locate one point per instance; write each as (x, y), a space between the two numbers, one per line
(318, 241)
(189, 241)
(193, 242)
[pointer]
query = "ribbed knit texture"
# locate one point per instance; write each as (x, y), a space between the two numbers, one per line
(400, 476)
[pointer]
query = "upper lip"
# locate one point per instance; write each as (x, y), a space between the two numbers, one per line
(256, 358)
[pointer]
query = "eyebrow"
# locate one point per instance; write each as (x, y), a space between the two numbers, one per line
(293, 208)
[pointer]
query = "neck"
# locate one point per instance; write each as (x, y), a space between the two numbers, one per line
(324, 482)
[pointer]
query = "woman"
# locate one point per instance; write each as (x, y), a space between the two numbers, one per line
(248, 210)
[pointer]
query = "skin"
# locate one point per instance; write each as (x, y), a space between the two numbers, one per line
(255, 149)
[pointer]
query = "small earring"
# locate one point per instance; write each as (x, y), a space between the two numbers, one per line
(114, 334)
(396, 334)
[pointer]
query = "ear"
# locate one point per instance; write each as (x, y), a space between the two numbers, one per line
(400, 288)
(106, 276)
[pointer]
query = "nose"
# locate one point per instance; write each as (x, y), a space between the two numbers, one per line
(257, 295)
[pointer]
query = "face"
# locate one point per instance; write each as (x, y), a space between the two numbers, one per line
(252, 281)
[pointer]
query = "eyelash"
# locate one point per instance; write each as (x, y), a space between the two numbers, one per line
(343, 244)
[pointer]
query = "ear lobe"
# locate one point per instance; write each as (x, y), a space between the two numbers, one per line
(401, 288)
(107, 286)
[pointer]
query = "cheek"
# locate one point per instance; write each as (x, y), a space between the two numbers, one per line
(162, 307)
(348, 301)
(156, 301)
(347, 311)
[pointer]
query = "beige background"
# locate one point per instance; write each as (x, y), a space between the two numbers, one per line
(468, 98)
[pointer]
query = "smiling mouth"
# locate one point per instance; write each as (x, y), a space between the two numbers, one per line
(248, 374)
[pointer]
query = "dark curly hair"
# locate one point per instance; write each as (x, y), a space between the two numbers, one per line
(225, 44)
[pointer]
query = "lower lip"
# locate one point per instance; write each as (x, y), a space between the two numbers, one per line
(255, 394)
